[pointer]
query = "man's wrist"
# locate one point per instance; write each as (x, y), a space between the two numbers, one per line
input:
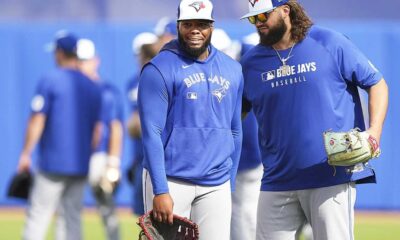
(114, 161)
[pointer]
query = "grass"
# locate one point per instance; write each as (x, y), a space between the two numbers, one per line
(377, 226)
(12, 222)
(369, 225)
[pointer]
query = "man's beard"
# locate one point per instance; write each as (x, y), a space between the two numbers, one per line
(275, 34)
(194, 52)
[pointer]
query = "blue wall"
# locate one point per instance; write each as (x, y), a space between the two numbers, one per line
(24, 60)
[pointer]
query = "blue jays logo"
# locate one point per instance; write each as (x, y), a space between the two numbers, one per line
(219, 93)
(199, 5)
(253, 2)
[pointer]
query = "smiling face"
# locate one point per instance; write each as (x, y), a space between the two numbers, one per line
(195, 37)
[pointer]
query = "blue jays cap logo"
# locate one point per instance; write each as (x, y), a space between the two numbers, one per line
(253, 2)
(198, 5)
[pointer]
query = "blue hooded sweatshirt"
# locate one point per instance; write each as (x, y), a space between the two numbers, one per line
(190, 115)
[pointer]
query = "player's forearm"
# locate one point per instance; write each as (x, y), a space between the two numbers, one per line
(97, 132)
(237, 134)
(116, 138)
(33, 132)
(155, 161)
(236, 157)
(153, 124)
(378, 104)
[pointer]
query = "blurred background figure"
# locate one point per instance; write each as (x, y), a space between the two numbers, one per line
(104, 168)
(248, 178)
(64, 112)
(221, 41)
(144, 48)
(165, 30)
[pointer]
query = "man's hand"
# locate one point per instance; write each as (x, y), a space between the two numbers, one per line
(163, 208)
(24, 163)
(376, 133)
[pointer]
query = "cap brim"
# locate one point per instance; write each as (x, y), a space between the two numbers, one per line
(256, 13)
(187, 19)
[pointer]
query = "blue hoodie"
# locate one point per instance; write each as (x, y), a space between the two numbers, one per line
(190, 115)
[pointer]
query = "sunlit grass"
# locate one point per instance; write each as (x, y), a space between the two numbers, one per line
(369, 225)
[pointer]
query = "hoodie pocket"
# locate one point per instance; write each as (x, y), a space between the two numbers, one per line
(199, 152)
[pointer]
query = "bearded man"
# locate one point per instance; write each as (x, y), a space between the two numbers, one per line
(300, 81)
(190, 98)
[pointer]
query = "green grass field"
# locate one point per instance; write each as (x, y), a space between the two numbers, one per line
(369, 225)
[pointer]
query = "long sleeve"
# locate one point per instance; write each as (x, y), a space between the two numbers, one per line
(237, 135)
(153, 110)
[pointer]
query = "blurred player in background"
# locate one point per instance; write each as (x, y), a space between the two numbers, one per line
(105, 162)
(300, 81)
(166, 31)
(145, 46)
(248, 179)
(189, 104)
(143, 49)
(65, 110)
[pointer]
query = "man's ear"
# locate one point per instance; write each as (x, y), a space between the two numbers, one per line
(285, 10)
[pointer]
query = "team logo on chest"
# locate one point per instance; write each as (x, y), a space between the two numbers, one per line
(198, 79)
(288, 75)
(219, 93)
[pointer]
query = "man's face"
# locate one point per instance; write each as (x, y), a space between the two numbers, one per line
(195, 36)
(272, 30)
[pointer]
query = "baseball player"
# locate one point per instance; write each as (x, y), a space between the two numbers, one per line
(65, 110)
(104, 166)
(300, 81)
(165, 30)
(190, 107)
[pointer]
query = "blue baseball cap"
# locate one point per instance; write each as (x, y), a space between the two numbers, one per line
(166, 26)
(170, 28)
(64, 41)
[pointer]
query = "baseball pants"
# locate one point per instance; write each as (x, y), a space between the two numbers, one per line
(329, 210)
(49, 192)
(208, 206)
(244, 203)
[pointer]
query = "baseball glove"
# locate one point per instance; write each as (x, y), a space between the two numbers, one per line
(350, 148)
(181, 229)
(107, 185)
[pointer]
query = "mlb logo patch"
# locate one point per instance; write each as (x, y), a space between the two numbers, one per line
(268, 76)
(191, 95)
